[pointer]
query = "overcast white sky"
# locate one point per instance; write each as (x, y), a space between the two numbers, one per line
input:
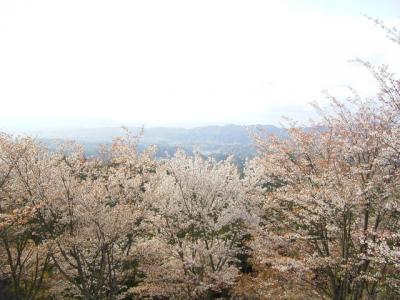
(184, 62)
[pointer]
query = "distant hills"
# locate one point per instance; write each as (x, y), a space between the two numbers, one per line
(217, 141)
(227, 134)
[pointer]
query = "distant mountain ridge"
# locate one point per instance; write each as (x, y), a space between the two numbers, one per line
(226, 134)
(217, 141)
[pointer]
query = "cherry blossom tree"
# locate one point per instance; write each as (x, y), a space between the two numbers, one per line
(332, 199)
(24, 258)
(199, 219)
(91, 217)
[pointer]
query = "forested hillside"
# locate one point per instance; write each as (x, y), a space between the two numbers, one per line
(218, 142)
(209, 140)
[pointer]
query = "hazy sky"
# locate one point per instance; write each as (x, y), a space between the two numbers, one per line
(185, 62)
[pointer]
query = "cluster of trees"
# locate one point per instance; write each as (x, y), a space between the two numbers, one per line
(121, 225)
(315, 215)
